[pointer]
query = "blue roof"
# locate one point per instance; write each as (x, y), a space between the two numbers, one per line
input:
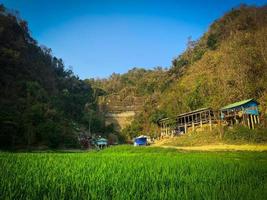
(239, 103)
(101, 141)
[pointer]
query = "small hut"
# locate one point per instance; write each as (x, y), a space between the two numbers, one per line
(101, 143)
(243, 112)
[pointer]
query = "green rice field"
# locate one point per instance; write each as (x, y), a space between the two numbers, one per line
(127, 172)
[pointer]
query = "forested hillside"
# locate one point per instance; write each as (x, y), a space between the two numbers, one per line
(41, 102)
(227, 64)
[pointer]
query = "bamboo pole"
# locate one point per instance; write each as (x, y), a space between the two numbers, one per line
(210, 121)
(252, 121)
(160, 129)
(248, 121)
(255, 119)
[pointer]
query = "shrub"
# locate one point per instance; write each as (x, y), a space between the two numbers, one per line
(241, 133)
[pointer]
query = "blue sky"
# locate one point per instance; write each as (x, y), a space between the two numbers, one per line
(100, 37)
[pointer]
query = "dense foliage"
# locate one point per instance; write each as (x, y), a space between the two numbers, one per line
(134, 173)
(227, 64)
(41, 102)
(235, 68)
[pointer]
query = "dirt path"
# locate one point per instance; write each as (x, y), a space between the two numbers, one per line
(218, 147)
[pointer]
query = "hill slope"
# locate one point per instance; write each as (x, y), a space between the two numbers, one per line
(227, 64)
(41, 102)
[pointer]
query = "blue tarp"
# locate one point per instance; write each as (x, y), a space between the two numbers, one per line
(140, 141)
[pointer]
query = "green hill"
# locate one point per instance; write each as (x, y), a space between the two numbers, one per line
(227, 64)
(41, 102)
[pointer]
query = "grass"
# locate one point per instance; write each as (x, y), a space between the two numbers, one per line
(127, 172)
(237, 135)
(218, 147)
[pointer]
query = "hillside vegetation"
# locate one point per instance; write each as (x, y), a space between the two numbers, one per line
(41, 102)
(44, 104)
(227, 64)
(237, 135)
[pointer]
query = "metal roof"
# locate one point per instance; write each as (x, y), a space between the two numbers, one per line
(239, 103)
(184, 114)
(194, 111)
(101, 139)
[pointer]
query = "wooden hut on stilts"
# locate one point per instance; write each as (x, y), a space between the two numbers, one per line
(190, 120)
(243, 112)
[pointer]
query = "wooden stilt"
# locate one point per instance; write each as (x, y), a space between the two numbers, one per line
(235, 119)
(161, 129)
(248, 121)
(255, 119)
(252, 122)
(200, 120)
(210, 121)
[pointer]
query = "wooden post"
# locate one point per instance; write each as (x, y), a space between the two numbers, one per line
(245, 120)
(210, 121)
(255, 119)
(161, 129)
(185, 128)
(166, 130)
(252, 121)
(248, 121)
(200, 119)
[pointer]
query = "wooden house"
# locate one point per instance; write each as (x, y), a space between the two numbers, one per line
(243, 112)
(183, 122)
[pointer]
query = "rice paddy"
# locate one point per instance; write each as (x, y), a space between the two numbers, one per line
(134, 173)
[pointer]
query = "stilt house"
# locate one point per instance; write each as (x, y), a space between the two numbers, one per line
(183, 122)
(243, 112)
